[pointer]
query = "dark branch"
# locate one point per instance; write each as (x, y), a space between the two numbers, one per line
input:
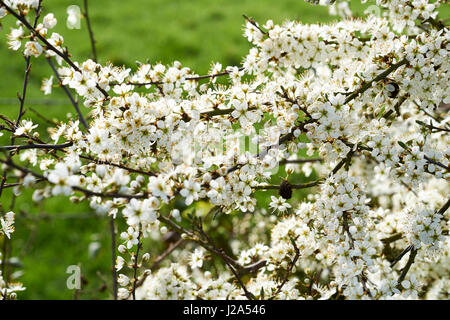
(91, 33)
(37, 146)
(48, 44)
(405, 270)
(68, 93)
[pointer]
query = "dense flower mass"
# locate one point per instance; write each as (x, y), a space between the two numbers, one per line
(360, 104)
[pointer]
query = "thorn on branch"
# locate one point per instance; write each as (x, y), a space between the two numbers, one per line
(255, 24)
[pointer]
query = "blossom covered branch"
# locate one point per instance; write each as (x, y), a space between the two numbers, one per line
(341, 110)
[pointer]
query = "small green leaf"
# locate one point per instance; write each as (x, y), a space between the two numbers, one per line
(381, 112)
(420, 122)
(404, 146)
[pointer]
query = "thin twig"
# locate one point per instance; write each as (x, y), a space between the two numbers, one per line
(362, 278)
(166, 253)
(91, 33)
(247, 293)
(355, 94)
(293, 186)
(444, 207)
(241, 269)
(135, 266)
(68, 93)
(295, 161)
(255, 24)
(381, 76)
(431, 127)
(400, 256)
(97, 161)
(37, 146)
(193, 78)
(113, 256)
(87, 193)
(392, 238)
(43, 117)
(405, 270)
(289, 270)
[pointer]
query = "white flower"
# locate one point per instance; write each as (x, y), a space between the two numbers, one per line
(190, 191)
(120, 262)
(123, 280)
(7, 222)
(25, 128)
(141, 211)
(216, 68)
(33, 48)
(279, 204)
(47, 84)
(130, 237)
(49, 21)
(123, 293)
(15, 38)
(63, 179)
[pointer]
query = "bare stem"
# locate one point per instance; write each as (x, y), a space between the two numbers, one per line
(68, 93)
(135, 266)
(405, 270)
(166, 253)
(91, 33)
(289, 270)
(5, 272)
(381, 76)
(37, 146)
(193, 78)
(293, 186)
(113, 256)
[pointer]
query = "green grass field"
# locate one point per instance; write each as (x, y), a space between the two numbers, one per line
(57, 233)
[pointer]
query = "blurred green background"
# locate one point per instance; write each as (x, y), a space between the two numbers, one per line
(56, 233)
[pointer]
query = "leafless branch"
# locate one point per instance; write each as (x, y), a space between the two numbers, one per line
(49, 46)
(37, 146)
(68, 93)
(91, 33)
(289, 270)
(135, 266)
(113, 256)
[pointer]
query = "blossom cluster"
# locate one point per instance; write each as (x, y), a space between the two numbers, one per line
(8, 290)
